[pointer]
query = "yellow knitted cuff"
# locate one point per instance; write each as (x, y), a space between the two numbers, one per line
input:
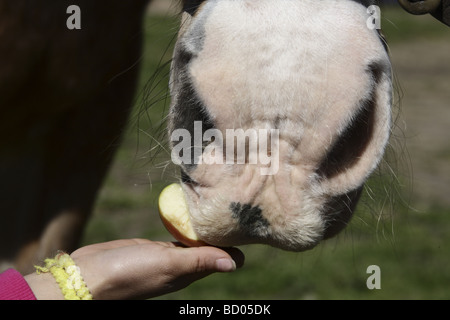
(67, 275)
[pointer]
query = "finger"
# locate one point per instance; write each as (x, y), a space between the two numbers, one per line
(206, 259)
(236, 254)
(184, 266)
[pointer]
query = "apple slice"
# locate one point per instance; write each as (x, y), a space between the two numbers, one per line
(174, 214)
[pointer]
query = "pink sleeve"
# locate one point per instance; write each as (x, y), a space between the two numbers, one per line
(14, 287)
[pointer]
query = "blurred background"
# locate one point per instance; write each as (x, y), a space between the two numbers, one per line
(401, 225)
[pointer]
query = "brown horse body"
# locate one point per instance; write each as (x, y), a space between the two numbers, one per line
(65, 96)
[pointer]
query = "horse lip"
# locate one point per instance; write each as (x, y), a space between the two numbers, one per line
(190, 191)
(187, 179)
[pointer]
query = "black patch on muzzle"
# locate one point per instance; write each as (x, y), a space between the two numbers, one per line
(250, 219)
(366, 3)
(191, 6)
(186, 179)
(189, 107)
(338, 212)
(189, 110)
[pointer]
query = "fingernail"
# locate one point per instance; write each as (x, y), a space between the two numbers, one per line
(225, 265)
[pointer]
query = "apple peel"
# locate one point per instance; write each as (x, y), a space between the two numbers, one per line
(174, 213)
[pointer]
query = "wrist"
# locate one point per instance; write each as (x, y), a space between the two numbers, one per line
(44, 286)
(61, 272)
(95, 279)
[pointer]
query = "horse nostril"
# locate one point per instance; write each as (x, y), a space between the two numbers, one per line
(355, 139)
(350, 146)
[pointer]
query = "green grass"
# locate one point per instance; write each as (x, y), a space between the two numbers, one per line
(411, 248)
(399, 26)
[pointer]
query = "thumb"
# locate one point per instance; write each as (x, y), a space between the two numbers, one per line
(199, 260)
(193, 264)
